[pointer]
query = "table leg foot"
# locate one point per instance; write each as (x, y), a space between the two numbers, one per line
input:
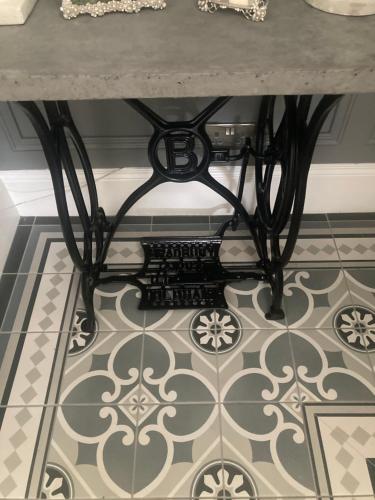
(87, 290)
(275, 314)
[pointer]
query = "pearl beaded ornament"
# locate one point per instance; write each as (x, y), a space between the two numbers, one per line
(71, 10)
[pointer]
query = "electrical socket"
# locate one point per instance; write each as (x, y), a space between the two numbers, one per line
(230, 135)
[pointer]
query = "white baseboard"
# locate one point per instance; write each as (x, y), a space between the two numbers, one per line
(9, 218)
(333, 188)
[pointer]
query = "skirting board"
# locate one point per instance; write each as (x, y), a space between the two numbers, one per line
(333, 188)
(15, 11)
(8, 223)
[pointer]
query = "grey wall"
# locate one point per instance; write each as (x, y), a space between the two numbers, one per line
(116, 136)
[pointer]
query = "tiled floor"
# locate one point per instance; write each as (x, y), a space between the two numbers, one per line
(203, 404)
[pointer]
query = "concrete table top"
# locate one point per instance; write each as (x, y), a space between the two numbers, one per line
(183, 52)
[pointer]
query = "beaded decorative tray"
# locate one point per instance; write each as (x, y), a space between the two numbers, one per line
(73, 8)
(255, 10)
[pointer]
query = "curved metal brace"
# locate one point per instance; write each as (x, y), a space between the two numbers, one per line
(148, 114)
(222, 191)
(57, 124)
(160, 124)
(306, 150)
(274, 220)
(53, 160)
(154, 181)
(83, 156)
(202, 118)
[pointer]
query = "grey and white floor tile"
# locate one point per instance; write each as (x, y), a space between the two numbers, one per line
(342, 443)
(361, 283)
(258, 366)
(175, 443)
(332, 366)
(194, 404)
(249, 301)
(267, 442)
(354, 236)
(92, 451)
(102, 367)
(316, 298)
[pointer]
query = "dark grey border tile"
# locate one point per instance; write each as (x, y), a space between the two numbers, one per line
(7, 283)
(352, 216)
(183, 228)
(131, 219)
(135, 219)
(17, 249)
(51, 221)
(180, 219)
(26, 221)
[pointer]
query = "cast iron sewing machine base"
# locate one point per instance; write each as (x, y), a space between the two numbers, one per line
(187, 273)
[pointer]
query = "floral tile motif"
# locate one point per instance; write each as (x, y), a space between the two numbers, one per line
(314, 296)
(250, 301)
(102, 368)
(361, 283)
(260, 368)
(216, 330)
(354, 325)
(176, 369)
(223, 479)
(175, 445)
(268, 441)
(342, 443)
(330, 367)
(57, 483)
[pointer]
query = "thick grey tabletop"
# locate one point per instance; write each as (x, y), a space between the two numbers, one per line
(183, 52)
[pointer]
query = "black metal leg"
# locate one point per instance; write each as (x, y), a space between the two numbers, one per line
(53, 133)
(87, 289)
(277, 287)
(290, 147)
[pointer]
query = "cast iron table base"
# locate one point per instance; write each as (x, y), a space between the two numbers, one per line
(187, 273)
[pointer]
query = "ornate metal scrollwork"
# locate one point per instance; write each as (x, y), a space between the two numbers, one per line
(187, 156)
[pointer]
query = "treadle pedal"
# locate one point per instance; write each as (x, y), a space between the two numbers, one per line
(182, 273)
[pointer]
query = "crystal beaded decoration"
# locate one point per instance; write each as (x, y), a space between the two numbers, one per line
(73, 8)
(254, 10)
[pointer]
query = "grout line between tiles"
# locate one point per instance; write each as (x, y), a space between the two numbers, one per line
(335, 243)
(220, 402)
(294, 366)
(134, 471)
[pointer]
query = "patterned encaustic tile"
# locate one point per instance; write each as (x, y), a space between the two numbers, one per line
(194, 404)
(134, 367)
(267, 442)
(257, 366)
(342, 443)
(249, 301)
(332, 366)
(174, 446)
(316, 298)
(361, 284)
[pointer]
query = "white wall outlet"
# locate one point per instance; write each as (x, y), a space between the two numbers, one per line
(15, 11)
